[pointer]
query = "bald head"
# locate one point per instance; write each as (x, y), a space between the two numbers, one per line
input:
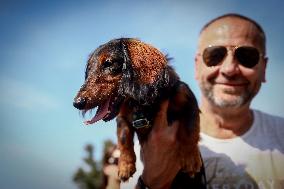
(233, 26)
(218, 82)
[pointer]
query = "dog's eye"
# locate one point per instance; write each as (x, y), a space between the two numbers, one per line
(112, 67)
(107, 64)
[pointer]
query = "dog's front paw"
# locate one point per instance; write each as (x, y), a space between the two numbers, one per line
(191, 162)
(194, 166)
(125, 170)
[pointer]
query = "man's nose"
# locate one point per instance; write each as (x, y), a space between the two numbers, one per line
(230, 66)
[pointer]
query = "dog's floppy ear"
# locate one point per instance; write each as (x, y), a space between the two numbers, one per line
(144, 71)
(147, 61)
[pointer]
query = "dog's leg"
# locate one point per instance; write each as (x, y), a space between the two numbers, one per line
(189, 151)
(184, 105)
(125, 134)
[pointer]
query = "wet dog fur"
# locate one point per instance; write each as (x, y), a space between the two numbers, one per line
(128, 79)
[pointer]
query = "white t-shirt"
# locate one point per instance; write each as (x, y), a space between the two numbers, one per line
(253, 161)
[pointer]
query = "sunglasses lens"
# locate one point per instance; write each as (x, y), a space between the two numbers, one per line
(212, 56)
(247, 56)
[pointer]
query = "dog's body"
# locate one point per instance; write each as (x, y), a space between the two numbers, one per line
(129, 79)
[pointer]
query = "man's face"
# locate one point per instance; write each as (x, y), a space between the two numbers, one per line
(230, 84)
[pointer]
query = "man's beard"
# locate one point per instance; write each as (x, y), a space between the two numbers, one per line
(238, 101)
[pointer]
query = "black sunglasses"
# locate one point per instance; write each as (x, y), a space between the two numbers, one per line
(246, 55)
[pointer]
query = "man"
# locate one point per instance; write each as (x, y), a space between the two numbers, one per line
(241, 147)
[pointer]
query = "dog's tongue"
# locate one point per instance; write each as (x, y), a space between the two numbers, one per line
(102, 111)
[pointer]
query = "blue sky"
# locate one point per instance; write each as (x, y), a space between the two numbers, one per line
(44, 49)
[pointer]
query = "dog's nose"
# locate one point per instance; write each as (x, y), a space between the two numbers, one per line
(79, 103)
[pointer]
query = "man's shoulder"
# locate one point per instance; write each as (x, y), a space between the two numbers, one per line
(267, 118)
(269, 125)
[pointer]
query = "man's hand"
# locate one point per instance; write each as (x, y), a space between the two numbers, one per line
(159, 152)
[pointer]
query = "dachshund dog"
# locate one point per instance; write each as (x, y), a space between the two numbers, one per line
(128, 79)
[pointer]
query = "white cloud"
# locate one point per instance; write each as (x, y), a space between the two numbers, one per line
(24, 95)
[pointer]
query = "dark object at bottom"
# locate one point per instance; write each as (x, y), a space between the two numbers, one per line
(184, 181)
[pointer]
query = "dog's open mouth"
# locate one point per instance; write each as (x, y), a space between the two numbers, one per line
(102, 112)
(105, 111)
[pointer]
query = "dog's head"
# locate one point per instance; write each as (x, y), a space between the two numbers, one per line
(122, 68)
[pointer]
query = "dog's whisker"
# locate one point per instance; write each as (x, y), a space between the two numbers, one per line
(83, 113)
(80, 113)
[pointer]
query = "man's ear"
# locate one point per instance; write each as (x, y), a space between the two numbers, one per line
(265, 61)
